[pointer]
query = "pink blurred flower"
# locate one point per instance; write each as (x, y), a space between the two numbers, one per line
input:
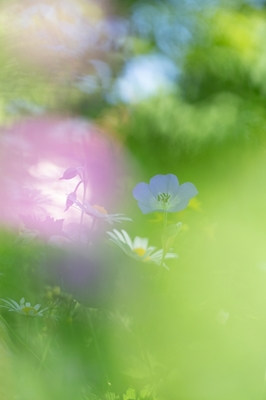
(36, 152)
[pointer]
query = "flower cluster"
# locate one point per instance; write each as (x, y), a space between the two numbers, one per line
(162, 194)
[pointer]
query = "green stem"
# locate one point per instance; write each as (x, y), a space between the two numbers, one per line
(163, 242)
(157, 279)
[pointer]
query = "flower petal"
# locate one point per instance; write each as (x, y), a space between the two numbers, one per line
(179, 206)
(187, 191)
(140, 243)
(127, 239)
(13, 303)
(119, 235)
(150, 250)
(142, 193)
(164, 184)
(146, 209)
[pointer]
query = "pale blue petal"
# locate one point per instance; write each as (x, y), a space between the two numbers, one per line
(178, 206)
(146, 208)
(164, 184)
(187, 191)
(142, 193)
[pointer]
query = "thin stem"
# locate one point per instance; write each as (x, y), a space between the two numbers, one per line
(82, 210)
(157, 279)
(163, 235)
(94, 220)
(77, 186)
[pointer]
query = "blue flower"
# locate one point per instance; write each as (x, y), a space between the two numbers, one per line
(163, 194)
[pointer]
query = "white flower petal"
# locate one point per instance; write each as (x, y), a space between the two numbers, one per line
(140, 243)
(112, 234)
(120, 236)
(149, 250)
(15, 304)
(127, 239)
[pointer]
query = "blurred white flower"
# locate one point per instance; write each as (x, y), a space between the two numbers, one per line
(24, 308)
(99, 212)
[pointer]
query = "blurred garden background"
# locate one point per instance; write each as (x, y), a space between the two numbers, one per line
(124, 91)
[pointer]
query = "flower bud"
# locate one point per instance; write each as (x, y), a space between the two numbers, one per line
(69, 173)
(71, 199)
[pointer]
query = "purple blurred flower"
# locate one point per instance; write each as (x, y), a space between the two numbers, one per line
(163, 194)
(99, 212)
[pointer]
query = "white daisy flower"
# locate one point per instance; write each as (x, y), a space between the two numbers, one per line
(24, 308)
(138, 248)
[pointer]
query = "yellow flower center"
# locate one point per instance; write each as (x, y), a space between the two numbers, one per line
(27, 310)
(100, 209)
(139, 251)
